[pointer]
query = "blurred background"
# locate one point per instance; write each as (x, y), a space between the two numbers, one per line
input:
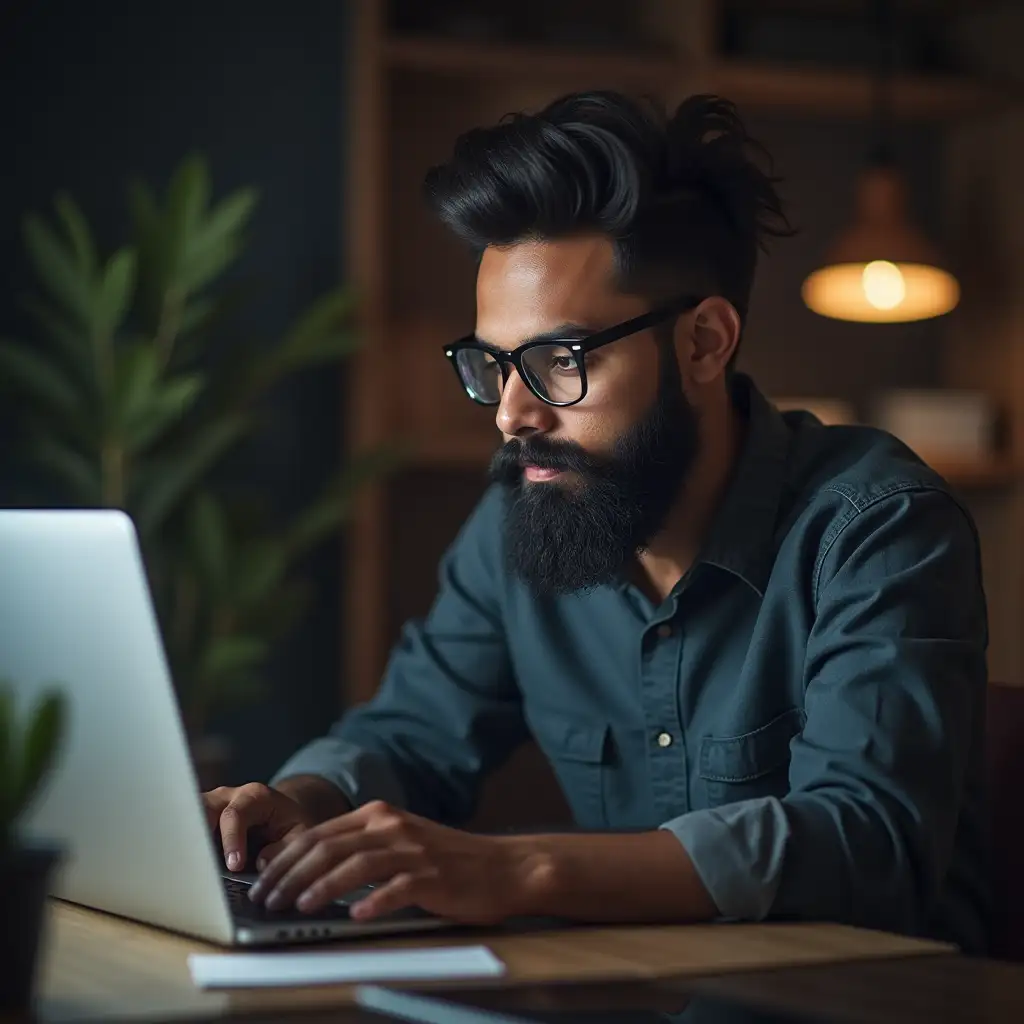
(222, 303)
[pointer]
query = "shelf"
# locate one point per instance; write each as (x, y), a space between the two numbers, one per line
(752, 85)
(821, 91)
(496, 60)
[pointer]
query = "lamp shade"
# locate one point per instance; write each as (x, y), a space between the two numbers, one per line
(881, 269)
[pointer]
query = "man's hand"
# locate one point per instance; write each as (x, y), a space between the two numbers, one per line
(411, 861)
(274, 819)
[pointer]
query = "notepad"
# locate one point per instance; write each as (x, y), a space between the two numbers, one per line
(245, 970)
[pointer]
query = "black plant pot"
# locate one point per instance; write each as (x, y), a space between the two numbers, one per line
(26, 872)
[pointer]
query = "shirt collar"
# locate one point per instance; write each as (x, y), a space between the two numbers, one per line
(742, 538)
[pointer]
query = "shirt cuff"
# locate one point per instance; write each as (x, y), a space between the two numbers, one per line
(361, 775)
(737, 851)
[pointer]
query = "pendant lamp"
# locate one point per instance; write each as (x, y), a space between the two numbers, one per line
(882, 269)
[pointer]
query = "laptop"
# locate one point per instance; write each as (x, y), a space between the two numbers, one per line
(75, 609)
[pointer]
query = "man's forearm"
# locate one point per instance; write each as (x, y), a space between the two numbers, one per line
(318, 797)
(643, 877)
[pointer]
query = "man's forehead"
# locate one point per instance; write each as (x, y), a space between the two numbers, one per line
(554, 268)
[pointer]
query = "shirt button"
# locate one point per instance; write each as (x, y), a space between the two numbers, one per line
(665, 631)
(664, 739)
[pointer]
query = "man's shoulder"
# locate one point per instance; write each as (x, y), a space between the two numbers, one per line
(854, 467)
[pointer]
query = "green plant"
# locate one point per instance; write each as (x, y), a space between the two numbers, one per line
(27, 753)
(135, 395)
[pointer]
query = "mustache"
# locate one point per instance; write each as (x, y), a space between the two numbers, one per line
(513, 457)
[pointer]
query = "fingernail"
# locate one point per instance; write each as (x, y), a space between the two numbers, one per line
(304, 901)
(233, 860)
(274, 901)
(255, 891)
(261, 863)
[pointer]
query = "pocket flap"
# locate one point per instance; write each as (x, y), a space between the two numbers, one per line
(570, 739)
(746, 757)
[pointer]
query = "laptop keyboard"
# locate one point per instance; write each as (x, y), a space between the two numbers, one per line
(243, 908)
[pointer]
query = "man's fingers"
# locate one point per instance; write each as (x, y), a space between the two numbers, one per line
(250, 806)
(214, 803)
(300, 863)
(271, 850)
(395, 895)
(369, 867)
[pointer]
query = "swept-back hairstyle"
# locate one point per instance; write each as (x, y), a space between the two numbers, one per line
(685, 202)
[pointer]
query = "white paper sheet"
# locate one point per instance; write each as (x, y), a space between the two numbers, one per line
(245, 970)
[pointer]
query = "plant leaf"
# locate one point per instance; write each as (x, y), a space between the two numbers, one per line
(79, 474)
(187, 197)
(258, 571)
(224, 222)
(72, 342)
(58, 272)
(327, 315)
(166, 407)
(153, 268)
(38, 379)
(78, 232)
(45, 733)
(208, 541)
(136, 370)
(115, 294)
(234, 689)
(230, 654)
(196, 313)
(326, 514)
(319, 336)
(172, 479)
(189, 193)
(203, 267)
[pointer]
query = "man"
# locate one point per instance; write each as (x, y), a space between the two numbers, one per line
(752, 647)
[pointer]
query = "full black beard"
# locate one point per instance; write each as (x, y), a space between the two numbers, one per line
(565, 538)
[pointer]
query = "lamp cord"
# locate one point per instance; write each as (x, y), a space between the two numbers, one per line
(882, 119)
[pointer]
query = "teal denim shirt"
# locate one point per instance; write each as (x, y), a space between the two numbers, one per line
(804, 711)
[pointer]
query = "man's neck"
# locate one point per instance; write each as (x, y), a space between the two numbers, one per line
(671, 554)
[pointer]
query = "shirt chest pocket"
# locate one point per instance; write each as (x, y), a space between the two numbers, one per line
(578, 752)
(753, 764)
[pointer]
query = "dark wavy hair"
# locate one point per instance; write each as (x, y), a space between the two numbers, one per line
(682, 197)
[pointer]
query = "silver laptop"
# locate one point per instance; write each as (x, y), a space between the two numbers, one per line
(75, 609)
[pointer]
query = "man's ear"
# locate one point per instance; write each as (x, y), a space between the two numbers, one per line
(715, 333)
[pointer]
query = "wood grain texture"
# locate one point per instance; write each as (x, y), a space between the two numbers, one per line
(101, 967)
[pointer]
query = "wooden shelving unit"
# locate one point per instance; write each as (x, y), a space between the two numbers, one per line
(411, 96)
(750, 84)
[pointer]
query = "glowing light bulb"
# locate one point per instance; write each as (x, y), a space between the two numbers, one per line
(883, 284)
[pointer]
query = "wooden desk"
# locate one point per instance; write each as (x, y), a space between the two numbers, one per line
(98, 966)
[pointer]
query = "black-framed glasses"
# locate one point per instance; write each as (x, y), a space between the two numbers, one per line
(554, 369)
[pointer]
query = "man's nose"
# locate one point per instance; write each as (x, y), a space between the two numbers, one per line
(520, 411)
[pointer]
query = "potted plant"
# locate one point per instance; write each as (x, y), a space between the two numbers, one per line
(135, 394)
(27, 752)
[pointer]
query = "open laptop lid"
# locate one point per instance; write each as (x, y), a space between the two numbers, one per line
(75, 610)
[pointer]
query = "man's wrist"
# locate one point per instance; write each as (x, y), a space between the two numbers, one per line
(320, 798)
(606, 877)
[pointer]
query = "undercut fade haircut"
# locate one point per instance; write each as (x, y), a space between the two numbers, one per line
(684, 198)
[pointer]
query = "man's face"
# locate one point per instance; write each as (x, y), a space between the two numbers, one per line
(590, 484)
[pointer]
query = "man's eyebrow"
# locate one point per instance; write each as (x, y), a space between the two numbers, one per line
(563, 332)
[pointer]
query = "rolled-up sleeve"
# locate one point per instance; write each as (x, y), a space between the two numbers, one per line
(895, 677)
(448, 710)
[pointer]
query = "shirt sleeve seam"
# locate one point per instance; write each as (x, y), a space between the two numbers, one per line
(860, 507)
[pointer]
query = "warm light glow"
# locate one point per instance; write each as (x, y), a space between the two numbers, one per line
(881, 292)
(884, 286)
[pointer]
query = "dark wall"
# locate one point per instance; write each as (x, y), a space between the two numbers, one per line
(93, 94)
